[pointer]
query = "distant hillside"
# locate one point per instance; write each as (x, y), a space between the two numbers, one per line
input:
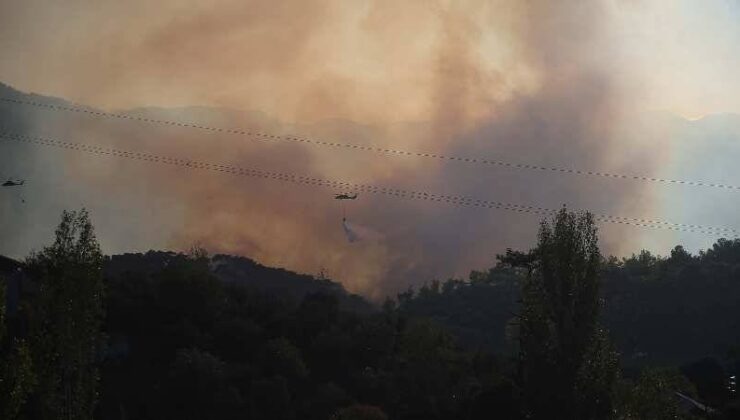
(244, 272)
(283, 284)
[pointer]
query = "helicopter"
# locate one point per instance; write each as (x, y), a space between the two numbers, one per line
(345, 196)
(11, 183)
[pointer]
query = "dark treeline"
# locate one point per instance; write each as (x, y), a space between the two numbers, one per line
(554, 332)
(679, 311)
(659, 310)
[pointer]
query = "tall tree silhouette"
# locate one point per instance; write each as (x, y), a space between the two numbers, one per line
(65, 320)
(567, 365)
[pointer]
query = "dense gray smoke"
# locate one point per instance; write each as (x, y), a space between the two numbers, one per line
(520, 81)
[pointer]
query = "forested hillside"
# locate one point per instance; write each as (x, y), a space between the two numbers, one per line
(238, 271)
(659, 310)
(186, 344)
(165, 335)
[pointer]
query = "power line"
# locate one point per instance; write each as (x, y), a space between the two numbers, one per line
(393, 192)
(259, 136)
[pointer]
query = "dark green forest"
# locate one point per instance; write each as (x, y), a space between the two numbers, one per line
(557, 331)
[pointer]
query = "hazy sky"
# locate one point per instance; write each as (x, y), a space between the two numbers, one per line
(330, 58)
(561, 83)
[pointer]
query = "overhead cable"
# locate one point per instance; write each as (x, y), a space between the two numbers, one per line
(360, 187)
(261, 136)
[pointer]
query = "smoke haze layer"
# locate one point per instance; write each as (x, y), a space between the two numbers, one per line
(551, 83)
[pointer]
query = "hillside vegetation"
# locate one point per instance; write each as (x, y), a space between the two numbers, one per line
(556, 329)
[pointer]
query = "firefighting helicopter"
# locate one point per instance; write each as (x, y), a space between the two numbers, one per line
(14, 183)
(345, 196)
(11, 183)
(351, 236)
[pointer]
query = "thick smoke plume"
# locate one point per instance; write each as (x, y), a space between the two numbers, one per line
(529, 81)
